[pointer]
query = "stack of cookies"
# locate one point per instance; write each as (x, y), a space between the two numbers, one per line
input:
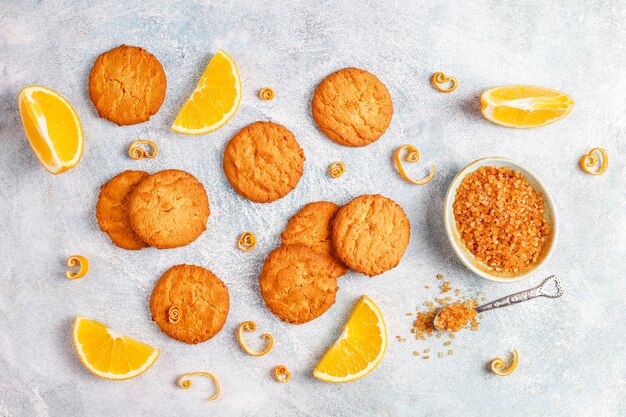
(321, 243)
(165, 210)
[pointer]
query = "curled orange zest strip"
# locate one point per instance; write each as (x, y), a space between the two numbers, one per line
(412, 157)
(336, 169)
(282, 374)
(186, 383)
(250, 326)
(590, 160)
(497, 365)
(440, 78)
(135, 151)
(80, 262)
(247, 241)
(266, 93)
(174, 313)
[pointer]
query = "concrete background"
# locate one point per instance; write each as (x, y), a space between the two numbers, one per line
(572, 349)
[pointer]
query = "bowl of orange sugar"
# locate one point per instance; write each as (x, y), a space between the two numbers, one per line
(500, 219)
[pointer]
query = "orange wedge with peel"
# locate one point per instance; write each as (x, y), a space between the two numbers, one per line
(215, 99)
(360, 347)
(108, 354)
(524, 106)
(52, 128)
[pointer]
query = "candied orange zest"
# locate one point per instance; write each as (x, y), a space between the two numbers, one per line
(412, 157)
(136, 151)
(186, 383)
(266, 93)
(250, 326)
(336, 169)
(174, 314)
(77, 261)
(282, 374)
(590, 160)
(497, 365)
(440, 78)
(247, 241)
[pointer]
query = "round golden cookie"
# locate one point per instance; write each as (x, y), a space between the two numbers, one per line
(352, 107)
(112, 209)
(169, 209)
(371, 233)
(298, 284)
(198, 296)
(263, 162)
(127, 85)
(312, 226)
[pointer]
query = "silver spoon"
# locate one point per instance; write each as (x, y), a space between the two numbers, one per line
(550, 287)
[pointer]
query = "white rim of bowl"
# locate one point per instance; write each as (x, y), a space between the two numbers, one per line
(450, 223)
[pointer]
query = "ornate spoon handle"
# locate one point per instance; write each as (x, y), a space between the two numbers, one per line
(550, 287)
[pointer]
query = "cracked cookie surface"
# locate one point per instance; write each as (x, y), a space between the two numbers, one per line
(312, 226)
(127, 85)
(263, 162)
(112, 209)
(352, 107)
(371, 233)
(169, 209)
(298, 284)
(201, 297)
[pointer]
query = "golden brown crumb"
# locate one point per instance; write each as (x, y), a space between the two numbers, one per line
(447, 343)
(450, 352)
(416, 353)
(439, 276)
(426, 350)
(440, 354)
(425, 357)
(445, 287)
(500, 218)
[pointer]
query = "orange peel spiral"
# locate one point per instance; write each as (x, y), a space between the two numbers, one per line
(497, 365)
(590, 160)
(174, 314)
(337, 169)
(136, 149)
(282, 374)
(77, 261)
(411, 157)
(250, 326)
(186, 383)
(266, 93)
(246, 242)
(441, 78)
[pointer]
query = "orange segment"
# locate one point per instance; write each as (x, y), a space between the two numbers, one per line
(108, 354)
(215, 99)
(524, 106)
(360, 347)
(52, 128)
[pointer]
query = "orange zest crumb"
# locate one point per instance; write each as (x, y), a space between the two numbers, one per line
(590, 160)
(439, 78)
(497, 365)
(266, 93)
(250, 326)
(186, 383)
(337, 169)
(174, 314)
(77, 261)
(282, 374)
(412, 156)
(136, 149)
(246, 242)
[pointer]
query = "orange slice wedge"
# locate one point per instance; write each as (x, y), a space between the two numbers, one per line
(215, 99)
(108, 354)
(52, 128)
(360, 347)
(524, 106)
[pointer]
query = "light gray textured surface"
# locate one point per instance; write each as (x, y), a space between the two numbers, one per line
(572, 348)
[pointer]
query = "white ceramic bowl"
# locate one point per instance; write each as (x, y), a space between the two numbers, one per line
(466, 256)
